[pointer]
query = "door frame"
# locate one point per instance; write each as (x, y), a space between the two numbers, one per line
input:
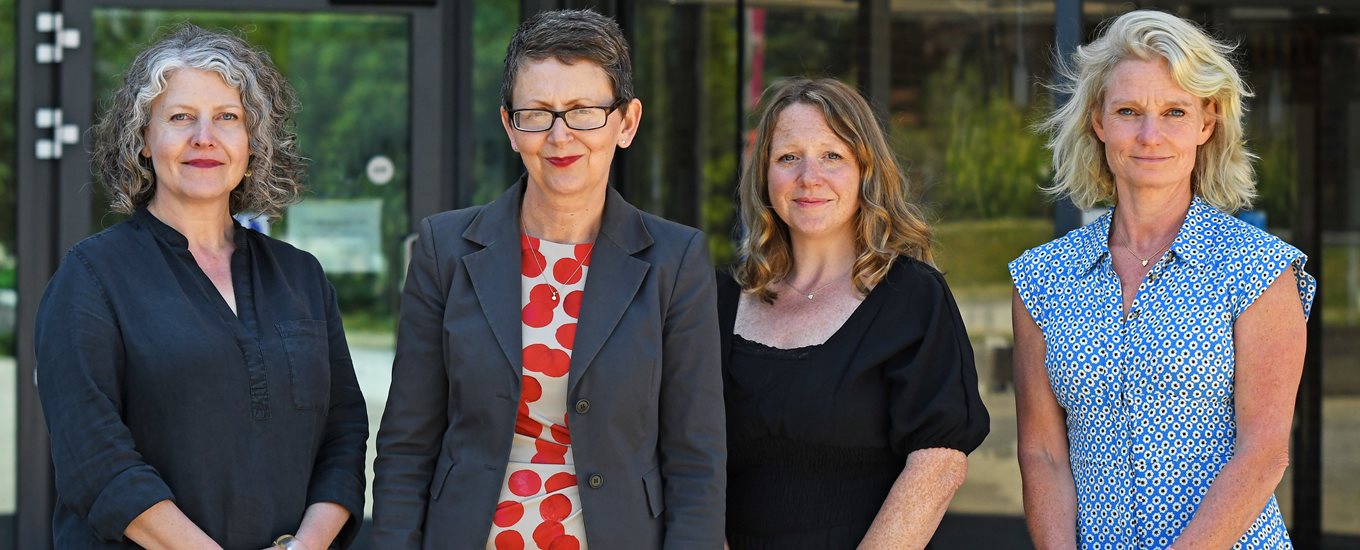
(54, 195)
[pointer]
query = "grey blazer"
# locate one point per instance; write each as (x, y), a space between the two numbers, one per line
(645, 387)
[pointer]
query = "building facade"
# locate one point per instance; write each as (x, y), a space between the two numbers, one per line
(400, 118)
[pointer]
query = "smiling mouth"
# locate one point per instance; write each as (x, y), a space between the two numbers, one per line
(563, 162)
(204, 163)
(811, 202)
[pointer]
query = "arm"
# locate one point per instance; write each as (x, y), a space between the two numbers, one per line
(417, 405)
(100, 476)
(1050, 495)
(918, 499)
(693, 438)
(164, 527)
(1269, 342)
(335, 493)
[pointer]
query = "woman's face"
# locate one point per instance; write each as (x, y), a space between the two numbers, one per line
(561, 161)
(197, 139)
(1151, 127)
(813, 176)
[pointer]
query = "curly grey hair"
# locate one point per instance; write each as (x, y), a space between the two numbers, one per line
(275, 168)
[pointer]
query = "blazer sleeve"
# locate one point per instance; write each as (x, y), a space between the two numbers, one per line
(338, 475)
(100, 475)
(693, 431)
(416, 418)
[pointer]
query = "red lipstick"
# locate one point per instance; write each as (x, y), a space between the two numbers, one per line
(203, 163)
(563, 162)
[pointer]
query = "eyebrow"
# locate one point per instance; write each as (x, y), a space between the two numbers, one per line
(578, 102)
(1171, 103)
(192, 108)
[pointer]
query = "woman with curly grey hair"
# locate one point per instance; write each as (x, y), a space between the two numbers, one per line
(195, 377)
(1158, 349)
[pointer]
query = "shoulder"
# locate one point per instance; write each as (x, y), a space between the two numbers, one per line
(912, 280)
(668, 234)
(111, 244)
(451, 222)
(293, 259)
(1232, 244)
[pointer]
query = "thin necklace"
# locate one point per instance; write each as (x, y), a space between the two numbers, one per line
(813, 293)
(1145, 261)
(542, 269)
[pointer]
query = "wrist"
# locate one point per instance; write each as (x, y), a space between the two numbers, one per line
(290, 542)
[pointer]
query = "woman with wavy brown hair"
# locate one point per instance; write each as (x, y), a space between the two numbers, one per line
(194, 373)
(851, 394)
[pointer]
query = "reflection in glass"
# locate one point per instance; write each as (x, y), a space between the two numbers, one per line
(494, 165)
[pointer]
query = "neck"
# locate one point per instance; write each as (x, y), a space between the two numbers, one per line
(571, 219)
(815, 261)
(1147, 219)
(206, 227)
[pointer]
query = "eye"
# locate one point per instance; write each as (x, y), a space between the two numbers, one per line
(1176, 112)
(179, 117)
(1125, 111)
(787, 157)
(832, 155)
(230, 116)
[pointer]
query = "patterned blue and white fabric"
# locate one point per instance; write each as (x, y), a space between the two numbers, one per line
(1149, 396)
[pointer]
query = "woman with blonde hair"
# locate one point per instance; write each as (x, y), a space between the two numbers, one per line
(1157, 350)
(852, 398)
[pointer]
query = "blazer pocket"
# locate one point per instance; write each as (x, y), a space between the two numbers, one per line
(442, 470)
(651, 483)
(309, 366)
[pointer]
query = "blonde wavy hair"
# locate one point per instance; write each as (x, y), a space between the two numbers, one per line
(1200, 64)
(887, 224)
(275, 169)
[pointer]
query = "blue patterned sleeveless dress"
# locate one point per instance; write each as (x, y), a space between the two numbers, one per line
(1149, 397)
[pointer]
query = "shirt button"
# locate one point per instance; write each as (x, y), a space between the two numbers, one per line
(1133, 314)
(582, 406)
(596, 480)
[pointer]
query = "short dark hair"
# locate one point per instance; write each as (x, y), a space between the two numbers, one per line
(569, 36)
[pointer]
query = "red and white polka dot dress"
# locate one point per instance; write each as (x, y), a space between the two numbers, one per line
(540, 504)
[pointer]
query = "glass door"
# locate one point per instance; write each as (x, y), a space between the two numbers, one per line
(358, 77)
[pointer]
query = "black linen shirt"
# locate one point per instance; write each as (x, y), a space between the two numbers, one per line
(154, 390)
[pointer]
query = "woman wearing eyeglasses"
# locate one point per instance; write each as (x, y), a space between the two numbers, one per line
(557, 382)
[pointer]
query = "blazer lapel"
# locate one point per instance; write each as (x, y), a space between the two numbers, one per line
(614, 279)
(494, 270)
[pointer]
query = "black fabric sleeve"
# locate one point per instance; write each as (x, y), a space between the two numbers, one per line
(933, 383)
(100, 476)
(338, 476)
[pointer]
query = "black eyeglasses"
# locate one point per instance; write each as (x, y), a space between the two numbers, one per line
(580, 118)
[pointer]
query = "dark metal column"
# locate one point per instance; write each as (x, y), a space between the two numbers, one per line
(1069, 33)
(873, 55)
(37, 213)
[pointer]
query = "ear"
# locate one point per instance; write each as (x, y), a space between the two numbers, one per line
(1098, 123)
(509, 130)
(1210, 121)
(632, 118)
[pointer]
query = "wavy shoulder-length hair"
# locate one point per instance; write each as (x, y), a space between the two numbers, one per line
(1200, 64)
(887, 224)
(275, 169)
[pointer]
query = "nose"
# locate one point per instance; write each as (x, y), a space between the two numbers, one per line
(1150, 130)
(559, 132)
(203, 134)
(812, 173)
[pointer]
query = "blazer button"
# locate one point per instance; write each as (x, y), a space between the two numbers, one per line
(582, 406)
(596, 480)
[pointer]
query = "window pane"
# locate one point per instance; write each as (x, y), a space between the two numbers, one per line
(9, 298)
(494, 165)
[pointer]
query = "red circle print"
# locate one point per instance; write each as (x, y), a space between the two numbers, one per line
(541, 294)
(531, 389)
(524, 483)
(531, 261)
(549, 453)
(547, 532)
(538, 315)
(566, 335)
(550, 362)
(555, 507)
(559, 481)
(567, 271)
(582, 252)
(565, 542)
(525, 425)
(561, 434)
(572, 304)
(509, 540)
(508, 513)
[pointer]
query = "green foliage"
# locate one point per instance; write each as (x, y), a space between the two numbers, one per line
(8, 186)
(1277, 168)
(973, 254)
(976, 148)
(495, 166)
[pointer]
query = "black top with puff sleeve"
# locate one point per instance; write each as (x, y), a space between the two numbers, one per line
(817, 435)
(154, 390)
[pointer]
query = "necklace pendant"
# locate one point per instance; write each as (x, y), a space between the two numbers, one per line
(554, 294)
(1145, 262)
(809, 296)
